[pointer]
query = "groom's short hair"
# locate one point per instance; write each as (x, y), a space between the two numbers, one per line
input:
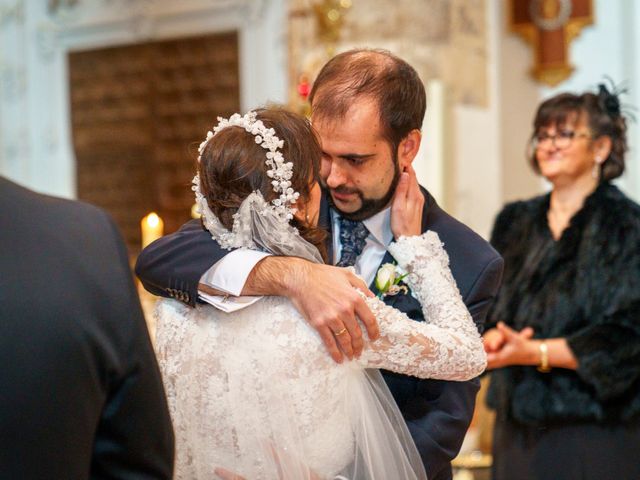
(391, 82)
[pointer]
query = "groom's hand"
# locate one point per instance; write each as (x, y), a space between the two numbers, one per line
(327, 297)
(324, 295)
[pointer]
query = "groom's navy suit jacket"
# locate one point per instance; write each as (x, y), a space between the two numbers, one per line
(437, 412)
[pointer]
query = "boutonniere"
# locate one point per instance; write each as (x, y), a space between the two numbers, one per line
(388, 279)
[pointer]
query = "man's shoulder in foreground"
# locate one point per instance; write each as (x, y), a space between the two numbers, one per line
(25, 206)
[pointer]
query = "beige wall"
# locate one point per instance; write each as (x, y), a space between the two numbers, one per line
(489, 97)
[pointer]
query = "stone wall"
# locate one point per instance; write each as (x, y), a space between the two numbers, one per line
(442, 39)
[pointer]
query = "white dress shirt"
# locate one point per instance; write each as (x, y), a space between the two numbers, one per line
(230, 273)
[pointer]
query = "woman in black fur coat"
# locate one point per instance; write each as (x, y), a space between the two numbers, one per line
(564, 333)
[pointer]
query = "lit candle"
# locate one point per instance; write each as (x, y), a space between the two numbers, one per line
(194, 211)
(152, 228)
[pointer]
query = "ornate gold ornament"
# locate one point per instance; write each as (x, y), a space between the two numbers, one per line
(549, 26)
(329, 20)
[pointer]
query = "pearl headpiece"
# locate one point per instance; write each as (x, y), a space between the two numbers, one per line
(256, 222)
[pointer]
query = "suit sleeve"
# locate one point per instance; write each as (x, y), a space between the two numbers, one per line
(450, 405)
(173, 265)
(134, 436)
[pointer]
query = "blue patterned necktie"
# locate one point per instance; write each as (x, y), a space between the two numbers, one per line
(353, 236)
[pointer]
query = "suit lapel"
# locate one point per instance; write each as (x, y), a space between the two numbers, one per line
(324, 222)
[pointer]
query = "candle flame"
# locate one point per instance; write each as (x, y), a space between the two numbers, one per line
(153, 219)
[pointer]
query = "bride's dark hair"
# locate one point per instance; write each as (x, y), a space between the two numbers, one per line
(233, 165)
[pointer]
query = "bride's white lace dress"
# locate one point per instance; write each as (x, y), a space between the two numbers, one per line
(255, 391)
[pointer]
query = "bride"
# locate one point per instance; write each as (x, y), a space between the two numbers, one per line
(254, 392)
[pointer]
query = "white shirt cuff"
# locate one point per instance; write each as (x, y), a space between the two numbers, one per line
(228, 304)
(229, 275)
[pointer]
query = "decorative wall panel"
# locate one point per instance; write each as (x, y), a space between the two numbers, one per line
(138, 113)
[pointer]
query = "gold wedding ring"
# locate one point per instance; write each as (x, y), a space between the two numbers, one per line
(340, 332)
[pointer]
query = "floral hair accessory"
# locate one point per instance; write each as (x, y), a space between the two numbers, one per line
(388, 279)
(609, 99)
(258, 224)
(279, 170)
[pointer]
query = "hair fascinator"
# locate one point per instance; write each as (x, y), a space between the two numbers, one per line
(609, 99)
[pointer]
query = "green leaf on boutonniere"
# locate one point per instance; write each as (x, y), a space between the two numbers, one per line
(387, 280)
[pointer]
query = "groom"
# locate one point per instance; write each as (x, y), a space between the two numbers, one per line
(367, 107)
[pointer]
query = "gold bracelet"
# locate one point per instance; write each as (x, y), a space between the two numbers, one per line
(544, 357)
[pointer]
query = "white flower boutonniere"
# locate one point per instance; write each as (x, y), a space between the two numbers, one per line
(388, 279)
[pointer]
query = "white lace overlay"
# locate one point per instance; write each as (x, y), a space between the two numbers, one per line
(255, 391)
(447, 345)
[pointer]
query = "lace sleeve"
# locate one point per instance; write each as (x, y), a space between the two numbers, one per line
(447, 346)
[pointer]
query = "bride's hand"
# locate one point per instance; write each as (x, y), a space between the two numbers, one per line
(225, 474)
(281, 458)
(407, 206)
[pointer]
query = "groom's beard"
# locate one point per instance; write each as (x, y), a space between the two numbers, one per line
(369, 206)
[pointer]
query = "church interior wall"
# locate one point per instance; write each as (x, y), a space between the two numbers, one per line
(611, 48)
(35, 144)
(489, 96)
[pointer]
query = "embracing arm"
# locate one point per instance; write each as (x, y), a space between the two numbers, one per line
(438, 414)
(447, 345)
(324, 295)
(172, 266)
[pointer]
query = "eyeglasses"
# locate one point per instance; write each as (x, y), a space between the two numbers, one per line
(561, 140)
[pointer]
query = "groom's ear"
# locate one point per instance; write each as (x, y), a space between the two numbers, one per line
(408, 148)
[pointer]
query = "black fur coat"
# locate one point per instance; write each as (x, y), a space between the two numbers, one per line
(584, 287)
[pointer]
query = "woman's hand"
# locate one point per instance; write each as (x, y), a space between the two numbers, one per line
(493, 340)
(510, 347)
(286, 465)
(225, 474)
(407, 206)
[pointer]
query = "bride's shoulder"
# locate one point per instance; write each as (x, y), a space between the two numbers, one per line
(278, 307)
(169, 307)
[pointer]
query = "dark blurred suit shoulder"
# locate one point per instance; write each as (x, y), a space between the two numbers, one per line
(80, 391)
